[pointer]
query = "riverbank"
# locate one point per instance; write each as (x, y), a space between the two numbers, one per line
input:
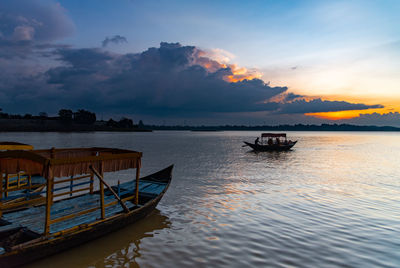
(49, 125)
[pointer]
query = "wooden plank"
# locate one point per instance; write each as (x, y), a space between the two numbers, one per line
(72, 179)
(1, 186)
(20, 203)
(103, 213)
(7, 182)
(67, 217)
(34, 217)
(35, 186)
(49, 202)
(137, 184)
(91, 182)
(87, 223)
(69, 186)
(116, 202)
(71, 192)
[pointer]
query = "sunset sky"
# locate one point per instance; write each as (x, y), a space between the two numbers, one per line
(204, 62)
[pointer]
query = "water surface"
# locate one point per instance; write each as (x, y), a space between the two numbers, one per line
(332, 201)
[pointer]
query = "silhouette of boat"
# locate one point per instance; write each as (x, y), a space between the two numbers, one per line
(39, 231)
(271, 142)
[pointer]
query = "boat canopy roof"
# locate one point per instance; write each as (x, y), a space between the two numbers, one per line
(53, 162)
(10, 145)
(273, 135)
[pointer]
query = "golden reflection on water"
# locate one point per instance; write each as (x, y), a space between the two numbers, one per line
(118, 249)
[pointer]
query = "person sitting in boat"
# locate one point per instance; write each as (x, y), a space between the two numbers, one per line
(270, 142)
(257, 141)
(277, 141)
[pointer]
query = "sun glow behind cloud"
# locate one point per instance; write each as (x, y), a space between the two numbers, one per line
(366, 76)
(217, 59)
(221, 59)
(241, 73)
(389, 107)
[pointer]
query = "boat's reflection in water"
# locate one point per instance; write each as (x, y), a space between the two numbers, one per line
(117, 249)
(272, 155)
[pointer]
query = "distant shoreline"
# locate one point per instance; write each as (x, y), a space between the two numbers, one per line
(25, 125)
(297, 127)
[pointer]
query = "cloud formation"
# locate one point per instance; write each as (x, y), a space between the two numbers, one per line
(387, 119)
(26, 24)
(116, 39)
(160, 80)
(171, 80)
(302, 106)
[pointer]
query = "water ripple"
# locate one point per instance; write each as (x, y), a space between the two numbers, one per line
(333, 201)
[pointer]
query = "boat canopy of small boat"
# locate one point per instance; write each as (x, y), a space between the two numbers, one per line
(71, 212)
(15, 184)
(271, 142)
(10, 145)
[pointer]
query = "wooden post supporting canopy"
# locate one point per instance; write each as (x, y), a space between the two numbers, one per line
(7, 184)
(137, 185)
(101, 186)
(91, 183)
(49, 202)
(1, 195)
(102, 181)
(1, 186)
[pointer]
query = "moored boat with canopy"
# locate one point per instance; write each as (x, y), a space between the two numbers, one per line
(70, 216)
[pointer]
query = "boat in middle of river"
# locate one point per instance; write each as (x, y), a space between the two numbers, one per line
(271, 142)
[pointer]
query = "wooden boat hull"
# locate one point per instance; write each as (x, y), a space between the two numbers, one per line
(267, 148)
(84, 232)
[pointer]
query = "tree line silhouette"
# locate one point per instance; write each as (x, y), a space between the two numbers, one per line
(69, 117)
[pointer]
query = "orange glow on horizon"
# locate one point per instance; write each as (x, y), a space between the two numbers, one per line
(390, 105)
(215, 60)
(347, 114)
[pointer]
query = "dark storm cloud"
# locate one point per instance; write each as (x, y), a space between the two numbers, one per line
(26, 25)
(116, 39)
(291, 96)
(317, 106)
(388, 119)
(158, 81)
(42, 21)
(171, 80)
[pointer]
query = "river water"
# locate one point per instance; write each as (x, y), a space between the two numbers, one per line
(332, 201)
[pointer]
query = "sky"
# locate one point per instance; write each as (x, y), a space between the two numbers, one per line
(204, 62)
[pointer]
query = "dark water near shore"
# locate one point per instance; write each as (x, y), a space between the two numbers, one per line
(333, 201)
